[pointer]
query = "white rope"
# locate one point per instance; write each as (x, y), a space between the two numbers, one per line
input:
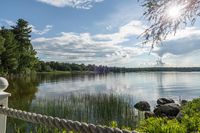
(59, 123)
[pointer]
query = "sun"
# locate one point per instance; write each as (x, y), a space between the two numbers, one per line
(174, 12)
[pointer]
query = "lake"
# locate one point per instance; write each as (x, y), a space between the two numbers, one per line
(97, 99)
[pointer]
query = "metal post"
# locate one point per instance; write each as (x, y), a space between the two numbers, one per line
(3, 102)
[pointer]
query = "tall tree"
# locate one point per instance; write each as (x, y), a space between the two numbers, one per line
(9, 56)
(27, 58)
(2, 49)
(2, 40)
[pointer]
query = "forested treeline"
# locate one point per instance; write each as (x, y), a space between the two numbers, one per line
(57, 66)
(16, 51)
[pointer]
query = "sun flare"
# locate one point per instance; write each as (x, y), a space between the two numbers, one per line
(174, 12)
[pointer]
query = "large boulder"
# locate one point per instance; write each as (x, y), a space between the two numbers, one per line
(170, 110)
(142, 106)
(162, 101)
(148, 114)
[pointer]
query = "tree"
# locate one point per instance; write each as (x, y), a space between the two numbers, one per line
(22, 34)
(2, 49)
(157, 12)
(9, 56)
(27, 59)
(2, 40)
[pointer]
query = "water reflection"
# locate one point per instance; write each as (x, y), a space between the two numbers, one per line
(22, 89)
(109, 97)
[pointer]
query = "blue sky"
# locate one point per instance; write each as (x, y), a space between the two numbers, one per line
(98, 32)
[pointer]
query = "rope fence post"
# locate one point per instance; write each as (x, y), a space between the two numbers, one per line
(3, 102)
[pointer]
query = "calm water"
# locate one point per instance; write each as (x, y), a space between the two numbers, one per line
(97, 99)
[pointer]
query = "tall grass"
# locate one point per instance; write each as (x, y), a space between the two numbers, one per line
(90, 108)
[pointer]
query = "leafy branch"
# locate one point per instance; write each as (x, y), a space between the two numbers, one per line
(161, 24)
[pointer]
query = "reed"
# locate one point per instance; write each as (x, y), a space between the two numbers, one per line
(91, 108)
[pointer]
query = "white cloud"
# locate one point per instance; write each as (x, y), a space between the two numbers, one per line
(108, 49)
(87, 48)
(7, 22)
(41, 32)
(133, 28)
(80, 4)
(184, 42)
(180, 50)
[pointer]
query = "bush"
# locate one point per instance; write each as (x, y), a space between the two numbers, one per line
(161, 125)
(190, 122)
(191, 115)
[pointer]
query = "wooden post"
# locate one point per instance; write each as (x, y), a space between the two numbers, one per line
(3, 101)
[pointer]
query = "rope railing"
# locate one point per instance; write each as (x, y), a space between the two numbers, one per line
(55, 122)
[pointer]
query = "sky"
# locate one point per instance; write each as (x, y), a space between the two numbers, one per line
(101, 32)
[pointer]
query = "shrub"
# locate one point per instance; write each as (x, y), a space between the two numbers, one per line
(190, 122)
(161, 125)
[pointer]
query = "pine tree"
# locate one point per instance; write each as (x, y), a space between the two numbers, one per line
(9, 55)
(26, 59)
(2, 40)
(2, 49)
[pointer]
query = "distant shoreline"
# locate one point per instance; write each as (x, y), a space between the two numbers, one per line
(125, 70)
(166, 69)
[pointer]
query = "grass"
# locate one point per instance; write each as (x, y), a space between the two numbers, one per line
(100, 109)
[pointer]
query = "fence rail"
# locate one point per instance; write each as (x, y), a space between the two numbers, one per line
(56, 122)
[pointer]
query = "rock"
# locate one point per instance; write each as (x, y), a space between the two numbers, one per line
(142, 106)
(170, 110)
(179, 116)
(148, 114)
(183, 102)
(162, 101)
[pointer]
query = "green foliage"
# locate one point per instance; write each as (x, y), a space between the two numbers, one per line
(113, 124)
(161, 125)
(191, 113)
(190, 122)
(16, 51)
(2, 49)
(2, 40)
(9, 57)
(22, 34)
(191, 107)
(27, 59)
